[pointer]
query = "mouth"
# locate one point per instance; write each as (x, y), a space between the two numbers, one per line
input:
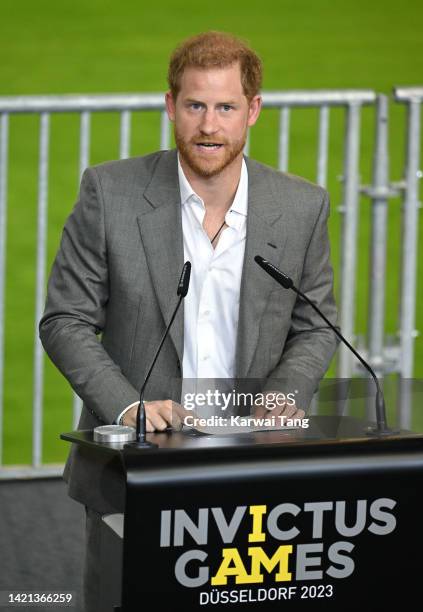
(209, 146)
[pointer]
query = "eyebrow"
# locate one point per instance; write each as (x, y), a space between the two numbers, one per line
(194, 101)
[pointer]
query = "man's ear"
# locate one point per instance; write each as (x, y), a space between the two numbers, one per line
(170, 106)
(254, 108)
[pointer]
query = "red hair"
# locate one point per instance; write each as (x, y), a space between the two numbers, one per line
(216, 50)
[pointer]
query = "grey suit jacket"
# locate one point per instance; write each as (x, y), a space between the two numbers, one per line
(116, 274)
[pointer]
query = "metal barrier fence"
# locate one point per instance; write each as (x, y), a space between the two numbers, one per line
(413, 98)
(397, 358)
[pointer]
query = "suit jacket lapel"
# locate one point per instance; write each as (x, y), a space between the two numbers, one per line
(161, 234)
(264, 209)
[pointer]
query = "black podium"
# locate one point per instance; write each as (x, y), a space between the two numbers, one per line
(324, 518)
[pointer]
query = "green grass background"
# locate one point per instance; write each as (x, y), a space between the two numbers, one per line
(103, 47)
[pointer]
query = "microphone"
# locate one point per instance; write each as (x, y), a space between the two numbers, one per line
(140, 441)
(183, 284)
(287, 282)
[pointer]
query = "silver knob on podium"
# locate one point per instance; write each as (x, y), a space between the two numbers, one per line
(112, 434)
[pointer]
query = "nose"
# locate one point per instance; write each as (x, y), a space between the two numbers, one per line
(209, 124)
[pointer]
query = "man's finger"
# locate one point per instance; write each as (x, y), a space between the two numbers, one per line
(289, 411)
(154, 422)
(159, 415)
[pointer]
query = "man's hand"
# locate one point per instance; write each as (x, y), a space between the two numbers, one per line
(160, 414)
(275, 405)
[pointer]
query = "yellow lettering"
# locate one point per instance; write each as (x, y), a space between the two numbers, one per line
(230, 555)
(232, 565)
(259, 558)
(257, 534)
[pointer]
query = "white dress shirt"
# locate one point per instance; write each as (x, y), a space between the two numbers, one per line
(211, 306)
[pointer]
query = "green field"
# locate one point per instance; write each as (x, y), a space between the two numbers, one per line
(102, 47)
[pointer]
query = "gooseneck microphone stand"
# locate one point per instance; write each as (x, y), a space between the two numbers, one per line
(381, 428)
(141, 442)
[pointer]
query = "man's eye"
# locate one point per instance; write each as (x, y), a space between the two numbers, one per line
(226, 107)
(195, 106)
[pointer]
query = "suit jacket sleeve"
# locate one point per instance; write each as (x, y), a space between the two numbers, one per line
(310, 344)
(75, 313)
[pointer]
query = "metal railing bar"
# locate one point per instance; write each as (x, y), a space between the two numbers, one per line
(323, 147)
(78, 103)
(349, 236)
(164, 132)
(318, 97)
(409, 240)
(283, 144)
(40, 288)
(84, 142)
(406, 94)
(125, 134)
(379, 221)
(155, 101)
(84, 161)
(4, 146)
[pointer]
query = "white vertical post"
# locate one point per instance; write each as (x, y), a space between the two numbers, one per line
(323, 146)
(379, 197)
(409, 241)
(283, 147)
(410, 226)
(164, 131)
(4, 145)
(84, 161)
(40, 287)
(349, 236)
(84, 141)
(125, 134)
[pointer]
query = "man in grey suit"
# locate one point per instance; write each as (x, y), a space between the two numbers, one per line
(122, 251)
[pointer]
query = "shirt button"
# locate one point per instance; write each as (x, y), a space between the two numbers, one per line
(206, 313)
(205, 357)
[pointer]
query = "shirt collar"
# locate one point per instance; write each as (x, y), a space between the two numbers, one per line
(185, 188)
(240, 203)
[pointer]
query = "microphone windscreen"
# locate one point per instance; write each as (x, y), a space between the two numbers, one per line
(183, 284)
(274, 272)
